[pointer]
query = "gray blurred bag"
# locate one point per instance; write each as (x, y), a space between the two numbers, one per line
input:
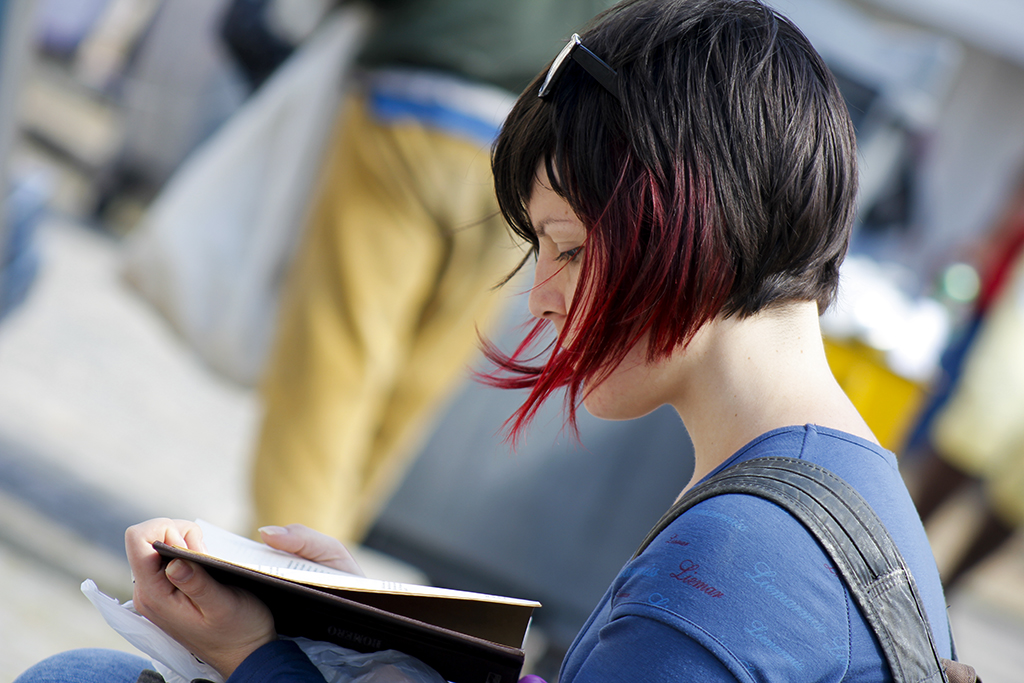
(214, 246)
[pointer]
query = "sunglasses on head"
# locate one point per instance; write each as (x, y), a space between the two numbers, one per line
(591, 63)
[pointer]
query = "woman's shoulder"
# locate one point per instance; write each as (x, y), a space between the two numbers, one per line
(739, 575)
(743, 569)
(828, 447)
(872, 471)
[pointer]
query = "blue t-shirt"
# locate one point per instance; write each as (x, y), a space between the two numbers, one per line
(737, 589)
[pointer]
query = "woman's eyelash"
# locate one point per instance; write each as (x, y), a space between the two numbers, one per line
(569, 254)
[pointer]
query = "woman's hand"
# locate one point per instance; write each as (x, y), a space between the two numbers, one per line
(312, 545)
(218, 624)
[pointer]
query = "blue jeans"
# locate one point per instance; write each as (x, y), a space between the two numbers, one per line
(87, 666)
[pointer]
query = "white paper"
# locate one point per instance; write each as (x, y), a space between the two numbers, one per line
(174, 662)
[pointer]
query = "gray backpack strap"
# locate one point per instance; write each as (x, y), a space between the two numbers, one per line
(856, 541)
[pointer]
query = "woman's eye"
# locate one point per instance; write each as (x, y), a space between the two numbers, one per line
(569, 254)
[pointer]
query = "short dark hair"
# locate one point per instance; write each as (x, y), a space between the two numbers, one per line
(721, 182)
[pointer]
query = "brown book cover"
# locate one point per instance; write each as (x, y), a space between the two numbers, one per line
(465, 637)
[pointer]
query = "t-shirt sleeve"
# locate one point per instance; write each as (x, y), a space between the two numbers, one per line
(634, 648)
(280, 661)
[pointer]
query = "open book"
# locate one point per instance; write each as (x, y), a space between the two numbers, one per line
(466, 637)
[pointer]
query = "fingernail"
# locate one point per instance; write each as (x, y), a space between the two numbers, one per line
(273, 530)
(178, 571)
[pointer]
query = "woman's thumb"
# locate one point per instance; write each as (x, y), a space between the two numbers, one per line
(179, 571)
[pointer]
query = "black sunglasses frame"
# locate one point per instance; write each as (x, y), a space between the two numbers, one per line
(591, 63)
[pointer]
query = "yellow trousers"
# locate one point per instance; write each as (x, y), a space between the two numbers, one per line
(379, 319)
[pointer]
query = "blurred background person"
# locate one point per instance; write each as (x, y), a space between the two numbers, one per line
(398, 262)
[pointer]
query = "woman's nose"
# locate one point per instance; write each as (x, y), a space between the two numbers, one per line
(547, 299)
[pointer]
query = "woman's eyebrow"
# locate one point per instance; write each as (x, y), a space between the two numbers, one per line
(541, 227)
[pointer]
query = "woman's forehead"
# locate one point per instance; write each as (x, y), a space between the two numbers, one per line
(550, 214)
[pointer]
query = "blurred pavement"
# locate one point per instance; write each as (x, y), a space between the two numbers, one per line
(105, 420)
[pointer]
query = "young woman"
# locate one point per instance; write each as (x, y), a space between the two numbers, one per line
(685, 174)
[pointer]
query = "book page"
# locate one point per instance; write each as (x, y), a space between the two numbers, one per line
(251, 554)
(262, 558)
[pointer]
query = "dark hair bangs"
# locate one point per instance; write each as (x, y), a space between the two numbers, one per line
(576, 135)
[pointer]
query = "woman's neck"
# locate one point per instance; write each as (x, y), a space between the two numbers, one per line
(743, 377)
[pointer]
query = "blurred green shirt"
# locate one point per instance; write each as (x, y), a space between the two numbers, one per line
(499, 42)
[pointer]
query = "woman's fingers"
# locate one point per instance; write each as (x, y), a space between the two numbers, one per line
(192, 535)
(146, 564)
(176, 532)
(312, 545)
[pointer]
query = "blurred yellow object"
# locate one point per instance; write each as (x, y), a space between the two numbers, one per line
(980, 430)
(888, 402)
